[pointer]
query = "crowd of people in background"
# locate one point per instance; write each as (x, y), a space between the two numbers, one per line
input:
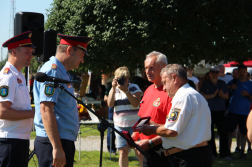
(229, 98)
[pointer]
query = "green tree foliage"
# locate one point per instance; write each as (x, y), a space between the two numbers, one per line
(185, 31)
(2, 63)
(33, 68)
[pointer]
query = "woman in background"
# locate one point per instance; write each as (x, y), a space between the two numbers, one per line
(125, 99)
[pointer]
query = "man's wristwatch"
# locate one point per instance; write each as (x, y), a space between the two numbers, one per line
(151, 144)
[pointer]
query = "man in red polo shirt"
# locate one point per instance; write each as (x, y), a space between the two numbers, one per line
(156, 104)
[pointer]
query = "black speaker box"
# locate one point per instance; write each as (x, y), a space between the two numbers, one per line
(50, 39)
(30, 21)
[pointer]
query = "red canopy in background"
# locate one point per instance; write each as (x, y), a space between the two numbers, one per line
(235, 64)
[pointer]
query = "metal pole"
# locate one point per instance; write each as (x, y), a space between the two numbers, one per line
(79, 142)
(1, 57)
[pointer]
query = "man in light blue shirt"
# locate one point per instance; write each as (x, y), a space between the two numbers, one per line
(56, 116)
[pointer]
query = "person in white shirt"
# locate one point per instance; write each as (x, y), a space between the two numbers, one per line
(192, 78)
(223, 76)
(188, 125)
(16, 114)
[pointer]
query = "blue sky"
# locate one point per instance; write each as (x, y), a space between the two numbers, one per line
(38, 6)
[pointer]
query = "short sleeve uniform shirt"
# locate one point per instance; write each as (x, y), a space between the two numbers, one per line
(13, 89)
(65, 108)
(190, 117)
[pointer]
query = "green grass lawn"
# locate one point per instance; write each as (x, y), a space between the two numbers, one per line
(91, 159)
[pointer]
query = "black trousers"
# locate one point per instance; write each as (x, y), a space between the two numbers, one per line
(43, 150)
(14, 152)
(156, 160)
(110, 117)
(194, 157)
(219, 120)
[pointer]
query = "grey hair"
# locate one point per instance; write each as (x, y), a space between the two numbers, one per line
(175, 69)
(221, 65)
(161, 58)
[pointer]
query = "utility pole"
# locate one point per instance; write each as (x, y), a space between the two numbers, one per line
(12, 16)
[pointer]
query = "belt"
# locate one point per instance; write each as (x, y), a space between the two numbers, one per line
(174, 150)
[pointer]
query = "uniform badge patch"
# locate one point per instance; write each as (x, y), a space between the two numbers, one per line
(157, 102)
(69, 85)
(4, 91)
(6, 70)
(174, 115)
(49, 90)
(19, 80)
(54, 66)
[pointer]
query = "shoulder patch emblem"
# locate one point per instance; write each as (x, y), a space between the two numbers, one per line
(49, 90)
(174, 115)
(54, 66)
(4, 91)
(6, 70)
(157, 102)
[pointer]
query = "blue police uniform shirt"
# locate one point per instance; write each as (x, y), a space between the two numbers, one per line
(239, 104)
(65, 108)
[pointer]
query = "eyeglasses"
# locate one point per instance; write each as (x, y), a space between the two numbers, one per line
(215, 72)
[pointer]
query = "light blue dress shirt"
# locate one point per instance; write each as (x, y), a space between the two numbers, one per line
(65, 108)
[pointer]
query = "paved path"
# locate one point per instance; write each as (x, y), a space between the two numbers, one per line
(93, 143)
(90, 143)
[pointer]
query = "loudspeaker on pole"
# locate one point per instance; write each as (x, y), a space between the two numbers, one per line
(30, 21)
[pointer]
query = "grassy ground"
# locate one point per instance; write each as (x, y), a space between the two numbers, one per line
(91, 159)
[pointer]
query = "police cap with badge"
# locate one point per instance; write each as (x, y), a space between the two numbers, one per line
(21, 40)
(77, 41)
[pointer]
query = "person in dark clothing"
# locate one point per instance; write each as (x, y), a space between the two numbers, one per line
(102, 90)
(110, 117)
(215, 92)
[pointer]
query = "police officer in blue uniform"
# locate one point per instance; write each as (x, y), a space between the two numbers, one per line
(56, 116)
(16, 114)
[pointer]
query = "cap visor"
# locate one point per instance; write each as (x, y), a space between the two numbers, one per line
(29, 46)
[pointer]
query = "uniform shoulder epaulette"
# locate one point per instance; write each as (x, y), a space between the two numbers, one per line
(54, 66)
(6, 70)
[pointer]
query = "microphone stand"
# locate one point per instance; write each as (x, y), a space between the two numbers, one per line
(103, 125)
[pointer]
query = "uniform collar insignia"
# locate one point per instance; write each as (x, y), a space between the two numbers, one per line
(6, 70)
(54, 66)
